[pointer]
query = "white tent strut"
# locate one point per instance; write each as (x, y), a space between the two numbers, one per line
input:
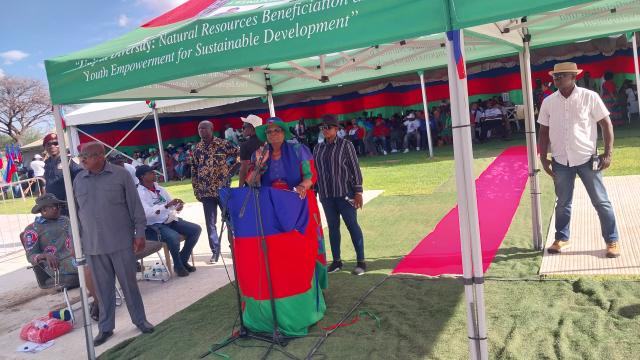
(160, 146)
(75, 233)
(426, 112)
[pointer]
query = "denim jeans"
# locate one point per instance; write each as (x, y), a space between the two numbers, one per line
(210, 206)
(564, 183)
(170, 234)
(334, 208)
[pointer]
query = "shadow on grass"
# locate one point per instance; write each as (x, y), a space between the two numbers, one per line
(413, 313)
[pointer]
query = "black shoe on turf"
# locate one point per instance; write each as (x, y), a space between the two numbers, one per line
(335, 266)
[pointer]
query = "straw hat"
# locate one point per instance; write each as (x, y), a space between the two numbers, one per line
(565, 67)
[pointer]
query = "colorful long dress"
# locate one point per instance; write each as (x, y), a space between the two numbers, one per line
(293, 231)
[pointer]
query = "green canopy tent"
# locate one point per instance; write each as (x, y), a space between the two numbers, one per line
(208, 48)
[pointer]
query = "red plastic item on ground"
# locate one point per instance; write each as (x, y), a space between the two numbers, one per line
(44, 329)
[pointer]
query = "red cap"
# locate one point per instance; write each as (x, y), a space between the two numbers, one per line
(48, 138)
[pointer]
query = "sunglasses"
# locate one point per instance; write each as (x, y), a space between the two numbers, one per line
(52, 143)
(327, 127)
(54, 206)
(273, 131)
(561, 75)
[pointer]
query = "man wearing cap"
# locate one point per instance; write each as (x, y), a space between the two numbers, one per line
(54, 182)
(340, 189)
(568, 126)
(47, 242)
(248, 147)
(112, 229)
(213, 159)
(161, 212)
(120, 160)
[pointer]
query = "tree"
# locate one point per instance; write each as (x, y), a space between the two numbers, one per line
(24, 103)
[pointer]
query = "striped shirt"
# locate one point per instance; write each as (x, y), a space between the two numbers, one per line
(338, 169)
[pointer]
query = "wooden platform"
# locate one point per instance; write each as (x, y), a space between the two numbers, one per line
(586, 256)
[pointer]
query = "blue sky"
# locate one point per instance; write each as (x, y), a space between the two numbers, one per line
(34, 30)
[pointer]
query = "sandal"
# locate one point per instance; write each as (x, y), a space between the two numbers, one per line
(94, 311)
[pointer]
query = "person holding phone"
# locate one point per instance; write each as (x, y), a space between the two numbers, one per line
(340, 189)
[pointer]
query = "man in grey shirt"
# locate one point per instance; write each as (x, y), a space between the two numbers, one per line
(112, 224)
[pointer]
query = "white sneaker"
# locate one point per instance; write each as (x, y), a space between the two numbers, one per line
(406, 151)
(418, 148)
(384, 152)
(394, 151)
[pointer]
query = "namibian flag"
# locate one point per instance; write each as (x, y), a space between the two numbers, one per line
(454, 37)
(283, 218)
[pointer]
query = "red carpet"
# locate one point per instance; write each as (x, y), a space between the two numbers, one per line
(499, 190)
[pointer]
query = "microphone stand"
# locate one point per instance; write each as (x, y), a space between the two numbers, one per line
(276, 338)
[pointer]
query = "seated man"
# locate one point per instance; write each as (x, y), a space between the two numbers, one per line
(160, 211)
(48, 245)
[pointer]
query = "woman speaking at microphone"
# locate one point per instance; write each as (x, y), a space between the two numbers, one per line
(289, 166)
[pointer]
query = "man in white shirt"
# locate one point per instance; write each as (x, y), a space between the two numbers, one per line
(568, 124)
(37, 165)
(162, 216)
(413, 125)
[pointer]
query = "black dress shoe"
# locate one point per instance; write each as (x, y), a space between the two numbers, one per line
(102, 337)
(182, 272)
(145, 327)
(189, 267)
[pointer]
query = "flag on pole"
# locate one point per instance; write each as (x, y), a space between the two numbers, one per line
(454, 37)
(11, 171)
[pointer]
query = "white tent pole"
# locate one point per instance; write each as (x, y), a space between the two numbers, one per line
(272, 108)
(269, 88)
(466, 193)
(75, 232)
(426, 111)
(74, 139)
(532, 150)
(160, 146)
(634, 39)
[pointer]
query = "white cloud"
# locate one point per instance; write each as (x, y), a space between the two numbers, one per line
(40, 65)
(12, 56)
(160, 6)
(123, 20)
(1, 73)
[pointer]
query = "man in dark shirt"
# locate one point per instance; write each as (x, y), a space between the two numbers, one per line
(247, 148)
(340, 189)
(53, 170)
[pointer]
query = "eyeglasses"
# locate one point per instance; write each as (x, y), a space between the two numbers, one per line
(560, 75)
(53, 206)
(273, 131)
(247, 126)
(52, 143)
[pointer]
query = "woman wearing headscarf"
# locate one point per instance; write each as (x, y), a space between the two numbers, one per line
(289, 166)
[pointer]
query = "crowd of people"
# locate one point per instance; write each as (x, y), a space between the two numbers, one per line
(119, 203)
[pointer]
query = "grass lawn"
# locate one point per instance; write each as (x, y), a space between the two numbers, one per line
(584, 318)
